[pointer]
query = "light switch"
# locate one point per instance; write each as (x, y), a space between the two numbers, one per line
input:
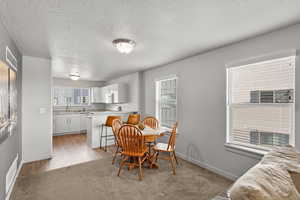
(43, 110)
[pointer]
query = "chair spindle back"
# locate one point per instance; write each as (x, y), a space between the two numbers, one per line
(152, 122)
(131, 140)
(116, 125)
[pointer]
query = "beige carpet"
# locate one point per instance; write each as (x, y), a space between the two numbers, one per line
(98, 180)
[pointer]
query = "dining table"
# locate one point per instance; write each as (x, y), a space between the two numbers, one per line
(151, 135)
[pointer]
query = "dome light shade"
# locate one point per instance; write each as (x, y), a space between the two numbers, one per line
(74, 77)
(124, 46)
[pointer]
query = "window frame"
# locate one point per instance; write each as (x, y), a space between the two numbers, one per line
(73, 105)
(248, 147)
(157, 95)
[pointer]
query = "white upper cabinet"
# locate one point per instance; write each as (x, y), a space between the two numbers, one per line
(98, 95)
(63, 96)
(120, 93)
(115, 93)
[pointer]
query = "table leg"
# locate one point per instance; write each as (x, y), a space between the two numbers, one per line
(152, 161)
(149, 145)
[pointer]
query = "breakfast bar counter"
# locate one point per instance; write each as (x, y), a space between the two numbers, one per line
(94, 122)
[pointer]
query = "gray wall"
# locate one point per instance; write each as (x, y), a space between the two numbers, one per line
(202, 99)
(37, 114)
(12, 146)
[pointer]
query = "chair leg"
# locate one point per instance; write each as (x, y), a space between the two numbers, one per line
(122, 164)
(172, 162)
(114, 158)
(140, 168)
(153, 159)
(175, 157)
(156, 156)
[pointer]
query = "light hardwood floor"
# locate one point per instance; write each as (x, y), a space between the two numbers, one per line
(67, 150)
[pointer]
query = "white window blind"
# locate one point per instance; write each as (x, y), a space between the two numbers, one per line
(260, 103)
(166, 101)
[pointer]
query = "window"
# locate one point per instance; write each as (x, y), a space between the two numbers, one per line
(63, 96)
(166, 101)
(11, 59)
(260, 104)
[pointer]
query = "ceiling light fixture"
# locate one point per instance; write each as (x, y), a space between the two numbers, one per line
(74, 76)
(124, 46)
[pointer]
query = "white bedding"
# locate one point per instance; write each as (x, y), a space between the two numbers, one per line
(270, 179)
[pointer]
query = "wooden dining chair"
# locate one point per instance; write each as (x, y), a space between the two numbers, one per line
(106, 136)
(133, 119)
(169, 148)
(133, 146)
(151, 122)
(116, 125)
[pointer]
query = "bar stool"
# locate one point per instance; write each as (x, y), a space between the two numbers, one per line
(133, 119)
(108, 124)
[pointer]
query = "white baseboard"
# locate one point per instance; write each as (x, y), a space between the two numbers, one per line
(208, 167)
(37, 157)
(14, 181)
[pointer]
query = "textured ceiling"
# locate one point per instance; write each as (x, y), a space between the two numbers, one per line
(77, 34)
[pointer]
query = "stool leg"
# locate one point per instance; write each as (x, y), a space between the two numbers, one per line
(105, 149)
(101, 135)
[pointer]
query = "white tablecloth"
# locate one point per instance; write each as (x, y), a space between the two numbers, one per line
(149, 131)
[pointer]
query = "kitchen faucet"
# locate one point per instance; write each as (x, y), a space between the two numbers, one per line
(68, 99)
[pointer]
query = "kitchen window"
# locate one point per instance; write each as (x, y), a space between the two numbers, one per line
(260, 104)
(64, 96)
(166, 101)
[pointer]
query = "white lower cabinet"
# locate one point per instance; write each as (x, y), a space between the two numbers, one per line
(74, 124)
(60, 124)
(83, 123)
(67, 124)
